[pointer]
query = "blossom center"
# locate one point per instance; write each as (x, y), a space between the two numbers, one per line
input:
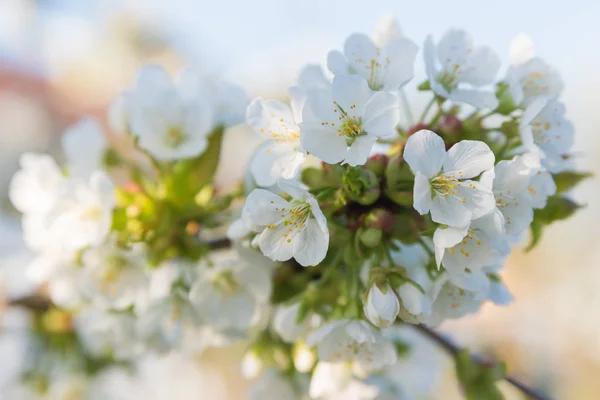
(294, 218)
(447, 185)
(461, 248)
(349, 125)
(174, 137)
(534, 84)
(93, 213)
(226, 283)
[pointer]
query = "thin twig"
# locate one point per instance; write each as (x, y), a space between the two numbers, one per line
(453, 349)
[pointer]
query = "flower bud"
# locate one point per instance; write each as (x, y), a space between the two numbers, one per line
(371, 237)
(381, 306)
(377, 164)
(399, 182)
(416, 128)
(361, 186)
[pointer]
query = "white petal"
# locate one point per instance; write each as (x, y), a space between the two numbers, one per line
(381, 114)
(272, 162)
(425, 152)
(276, 243)
(261, 205)
(323, 142)
(401, 54)
(485, 65)
(337, 62)
(84, 144)
(429, 56)
(422, 200)
(470, 158)
(521, 49)
(454, 47)
(449, 237)
(272, 119)
(350, 90)
(310, 245)
(152, 79)
(295, 189)
(476, 98)
(359, 152)
(413, 300)
(450, 211)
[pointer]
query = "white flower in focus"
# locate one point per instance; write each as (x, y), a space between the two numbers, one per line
(114, 277)
(280, 157)
(166, 122)
(442, 179)
(543, 125)
(456, 69)
(529, 77)
(287, 326)
(385, 68)
(84, 144)
(231, 295)
(295, 228)
(343, 123)
(381, 306)
(83, 216)
(272, 385)
(333, 381)
(353, 340)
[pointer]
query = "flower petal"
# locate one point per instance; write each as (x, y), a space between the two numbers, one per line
(359, 152)
(381, 114)
(263, 207)
(422, 200)
(310, 245)
(350, 90)
(425, 152)
(468, 159)
(450, 211)
(323, 142)
(275, 245)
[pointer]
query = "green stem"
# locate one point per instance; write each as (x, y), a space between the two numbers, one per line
(406, 106)
(436, 117)
(487, 114)
(426, 110)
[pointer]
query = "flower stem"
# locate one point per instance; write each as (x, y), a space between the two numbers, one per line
(406, 106)
(454, 350)
(426, 110)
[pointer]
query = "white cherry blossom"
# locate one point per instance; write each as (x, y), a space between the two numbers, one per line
(168, 122)
(457, 69)
(544, 126)
(231, 295)
(530, 77)
(281, 156)
(114, 277)
(386, 31)
(385, 68)
(353, 340)
(295, 228)
(443, 184)
(459, 249)
(513, 192)
(343, 123)
(287, 326)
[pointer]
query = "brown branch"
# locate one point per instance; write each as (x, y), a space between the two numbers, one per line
(453, 349)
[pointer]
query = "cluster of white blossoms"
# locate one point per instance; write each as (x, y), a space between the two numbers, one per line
(354, 227)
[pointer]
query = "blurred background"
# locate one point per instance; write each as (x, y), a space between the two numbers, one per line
(61, 59)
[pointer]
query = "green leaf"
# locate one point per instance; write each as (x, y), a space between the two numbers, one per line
(566, 181)
(557, 208)
(536, 235)
(424, 86)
